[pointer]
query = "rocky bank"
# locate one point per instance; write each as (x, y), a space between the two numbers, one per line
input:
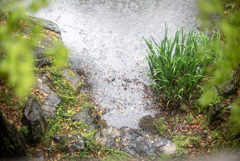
(38, 111)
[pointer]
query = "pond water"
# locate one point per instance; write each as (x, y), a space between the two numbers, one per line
(105, 38)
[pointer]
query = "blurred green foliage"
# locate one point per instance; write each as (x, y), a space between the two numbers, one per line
(224, 16)
(18, 38)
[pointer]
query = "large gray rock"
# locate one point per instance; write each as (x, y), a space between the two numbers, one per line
(47, 24)
(87, 116)
(109, 136)
(12, 143)
(135, 141)
(41, 59)
(76, 142)
(50, 99)
(70, 143)
(73, 78)
(58, 139)
(39, 52)
(35, 121)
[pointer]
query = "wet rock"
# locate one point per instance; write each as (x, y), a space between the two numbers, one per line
(41, 59)
(47, 24)
(35, 121)
(50, 99)
(146, 124)
(39, 52)
(145, 144)
(76, 142)
(228, 88)
(58, 139)
(73, 78)
(169, 148)
(108, 136)
(87, 116)
(72, 143)
(65, 149)
(135, 141)
(12, 143)
(39, 63)
(215, 113)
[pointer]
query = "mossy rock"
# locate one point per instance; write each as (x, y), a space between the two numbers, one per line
(146, 124)
(73, 78)
(88, 116)
(153, 125)
(160, 125)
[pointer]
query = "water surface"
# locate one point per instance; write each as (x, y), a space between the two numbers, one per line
(105, 37)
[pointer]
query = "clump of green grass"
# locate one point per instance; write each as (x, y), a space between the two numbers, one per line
(175, 67)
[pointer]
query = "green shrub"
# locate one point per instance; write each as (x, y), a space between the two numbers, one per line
(175, 65)
(227, 22)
